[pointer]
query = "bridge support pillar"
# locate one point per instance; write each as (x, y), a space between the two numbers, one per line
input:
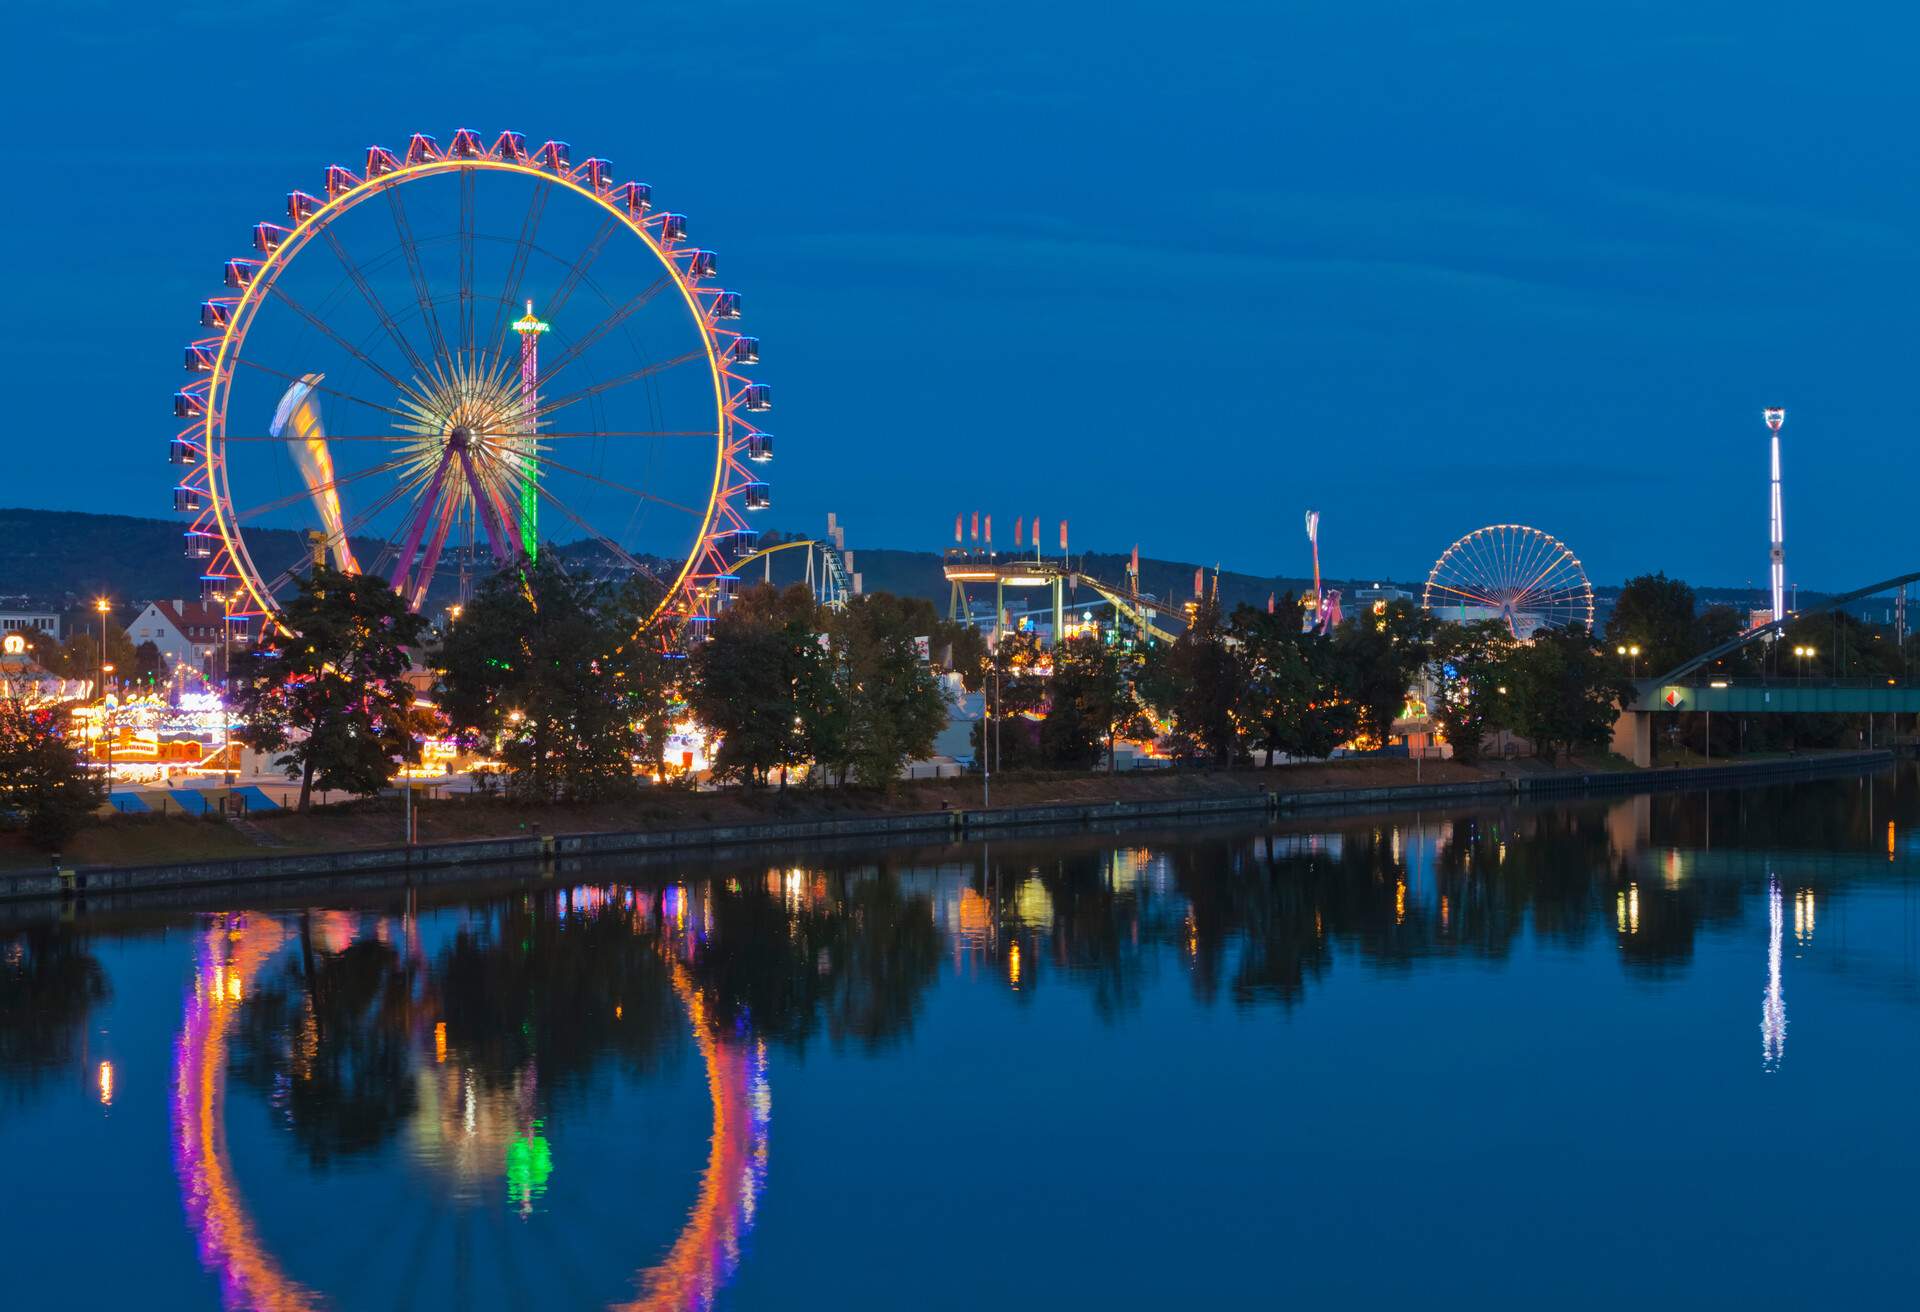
(1633, 737)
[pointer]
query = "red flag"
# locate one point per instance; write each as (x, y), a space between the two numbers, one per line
(1269, 603)
(976, 526)
(1199, 587)
(1063, 537)
(989, 530)
(957, 539)
(1017, 539)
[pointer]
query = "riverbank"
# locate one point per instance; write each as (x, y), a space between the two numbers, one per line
(134, 853)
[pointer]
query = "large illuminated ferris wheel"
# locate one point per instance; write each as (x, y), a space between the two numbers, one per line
(1524, 578)
(457, 357)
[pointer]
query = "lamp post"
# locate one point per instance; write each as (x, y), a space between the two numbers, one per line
(226, 683)
(1801, 654)
(1630, 652)
(102, 607)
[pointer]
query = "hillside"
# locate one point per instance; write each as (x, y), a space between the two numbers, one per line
(60, 556)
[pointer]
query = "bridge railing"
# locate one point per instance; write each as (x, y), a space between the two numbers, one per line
(1783, 679)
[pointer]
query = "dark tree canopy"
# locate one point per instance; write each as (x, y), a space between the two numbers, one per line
(44, 789)
(330, 687)
(548, 668)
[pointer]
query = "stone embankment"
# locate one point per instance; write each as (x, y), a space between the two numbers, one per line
(269, 870)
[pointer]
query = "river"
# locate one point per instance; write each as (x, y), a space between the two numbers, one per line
(1653, 1050)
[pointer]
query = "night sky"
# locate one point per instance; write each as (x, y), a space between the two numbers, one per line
(1174, 273)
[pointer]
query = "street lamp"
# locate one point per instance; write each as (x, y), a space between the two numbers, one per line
(226, 683)
(1801, 654)
(1630, 652)
(102, 607)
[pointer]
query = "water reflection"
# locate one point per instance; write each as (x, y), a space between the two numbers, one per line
(329, 1023)
(50, 983)
(450, 1045)
(1773, 1005)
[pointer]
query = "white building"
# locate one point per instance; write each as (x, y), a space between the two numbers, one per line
(16, 621)
(188, 633)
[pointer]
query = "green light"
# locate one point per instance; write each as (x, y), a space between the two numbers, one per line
(529, 1163)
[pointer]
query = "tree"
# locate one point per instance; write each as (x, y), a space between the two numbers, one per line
(1207, 681)
(79, 656)
(1656, 614)
(330, 687)
(44, 789)
(548, 669)
(1091, 704)
(149, 666)
(1467, 666)
(1013, 699)
(1382, 655)
(1296, 700)
(763, 686)
(890, 703)
(1563, 690)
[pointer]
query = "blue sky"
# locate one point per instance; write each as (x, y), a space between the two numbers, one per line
(1173, 274)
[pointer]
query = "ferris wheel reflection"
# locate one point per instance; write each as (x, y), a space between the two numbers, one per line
(230, 958)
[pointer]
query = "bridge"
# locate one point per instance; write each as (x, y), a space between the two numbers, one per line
(1692, 686)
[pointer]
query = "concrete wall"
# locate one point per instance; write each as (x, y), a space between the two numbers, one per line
(544, 849)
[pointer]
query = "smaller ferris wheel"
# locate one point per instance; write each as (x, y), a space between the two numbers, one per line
(1509, 572)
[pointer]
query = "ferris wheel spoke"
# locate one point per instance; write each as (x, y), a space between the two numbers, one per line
(633, 432)
(346, 531)
(334, 334)
(618, 380)
(622, 553)
(422, 290)
(1545, 572)
(331, 485)
(283, 439)
(517, 269)
(1536, 564)
(322, 387)
(1468, 594)
(1485, 561)
(600, 330)
(466, 263)
(577, 271)
(546, 462)
(373, 301)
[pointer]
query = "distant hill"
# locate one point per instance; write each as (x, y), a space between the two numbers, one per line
(61, 557)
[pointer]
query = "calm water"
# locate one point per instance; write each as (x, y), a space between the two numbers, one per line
(1652, 1050)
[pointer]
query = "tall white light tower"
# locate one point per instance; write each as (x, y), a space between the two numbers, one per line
(1777, 557)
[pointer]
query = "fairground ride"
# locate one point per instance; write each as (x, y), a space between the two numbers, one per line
(1526, 579)
(827, 567)
(456, 357)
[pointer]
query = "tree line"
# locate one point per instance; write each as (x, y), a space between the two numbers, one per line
(553, 676)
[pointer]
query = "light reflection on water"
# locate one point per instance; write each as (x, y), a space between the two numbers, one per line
(576, 1081)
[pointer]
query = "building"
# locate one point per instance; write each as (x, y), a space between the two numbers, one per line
(16, 621)
(188, 633)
